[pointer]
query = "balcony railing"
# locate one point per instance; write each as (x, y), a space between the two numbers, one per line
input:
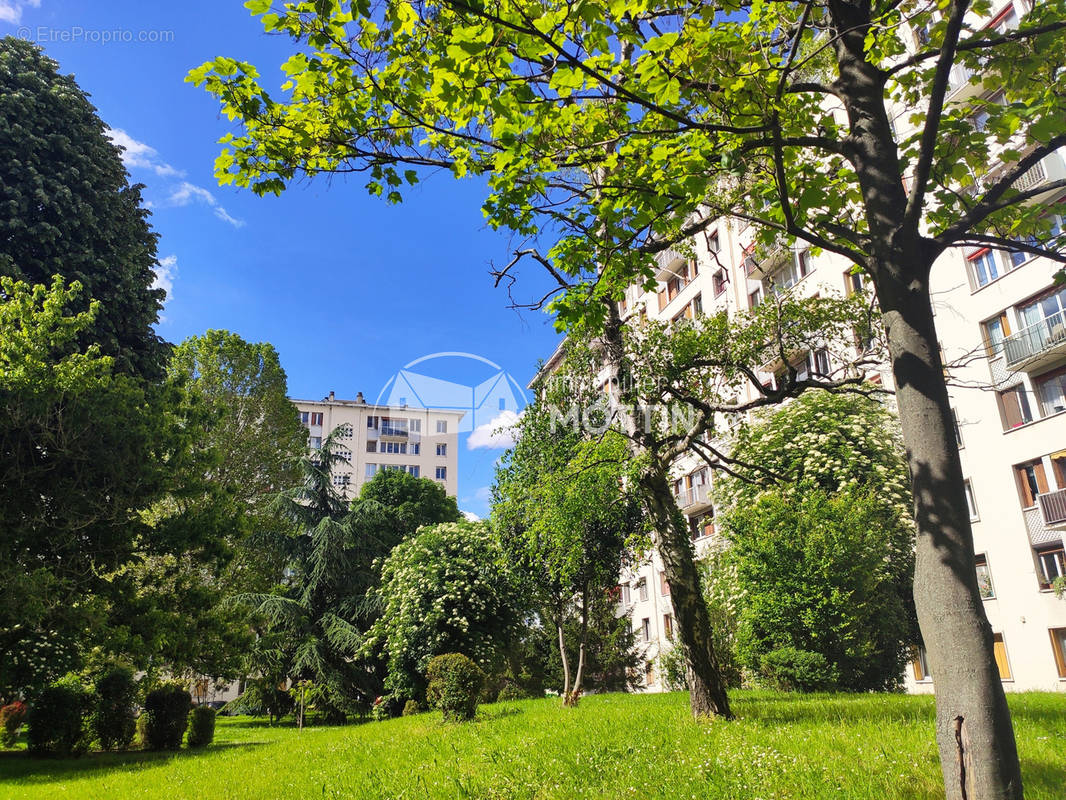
(958, 78)
(1044, 337)
(1031, 177)
(395, 433)
(665, 261)
(695, 496)
(1053, 508)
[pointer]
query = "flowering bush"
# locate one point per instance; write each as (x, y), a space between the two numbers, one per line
(454, 685)
(11, 717)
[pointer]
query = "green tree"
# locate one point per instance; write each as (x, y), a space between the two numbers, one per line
(612, 130)
(446, 590)
(79, 453)
(567, 523)
(69, 209)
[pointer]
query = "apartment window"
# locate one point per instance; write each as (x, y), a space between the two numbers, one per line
(1006, 21)
(713, 245)
(393, 448)
(372, 446)
(999, 648)
(702, 526)
(1058, 648)
(645, 630)
(1019, 257)
(803, 263)
(649, 674)
(316, 418)
(627, 595)
(971, 501)
(442, 449)
(1014, 407)
(996, 330)
(341, 480)
(372, 422)
(668, 626)
(719, 282)
(392, 426)
(984, 577)
(920, 664)
(664, 585)
(442, 473)
(1051, 392)
(371, 470)
(983, 266)
(853, 282)
(413, 470)
(343, 431)
(958, 430)
(305, 417)
(1047, 310)
(1051, 564)
(1032, 480)
(316, 442)
(642, 590)
(442, 426)
(344, 453)
(818, 363)
(416, 449)
(697, 305)
(415, 425)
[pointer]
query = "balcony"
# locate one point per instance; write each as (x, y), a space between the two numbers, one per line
(390, 432)
(1053, 508)
(1038, 345)
(762, 264)
(667, 263)
(959, 83)
(692, 499)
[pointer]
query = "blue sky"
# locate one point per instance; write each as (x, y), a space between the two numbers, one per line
(347, 288)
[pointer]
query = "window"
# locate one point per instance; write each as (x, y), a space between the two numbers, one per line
(627, 596)
(316, 418)
(984, 577)
(442, 449)
(1046, 310)
(442, 426)
(668, 626)
(983, 266)
(755, 299)
(818, 363)
(971, 502)
(343, 431)
(1058, 648)
(371, 470)
(442, 473)
(1051, 565)
(1014, 407)
(853, 282)
(996, 330)
(344, 453)
(713, 245)
(719, 282)
(392, 426)
(697, 306)
(372, 446)
(645, 630)
(1006, 21)
(649, 674)
(341, 480)
(316, 442)
(1019, 257)
(415, 425)
(416, 448)
(395, 448)
(413, 470)
(701, 526)
(920, 664)
(642, 589)
(372, 422)
(305, 417)
(999, 648)
(958, 430)
(664, 585)
(1051, 392)
(1032, 480)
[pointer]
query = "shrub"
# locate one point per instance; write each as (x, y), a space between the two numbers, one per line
(201, 727)
(167, 709)
(790, 670)
(113, 718)
(142, 731)
(412, 707)
(11, 717)
(454, 684)
(511, 691)
(57, 719)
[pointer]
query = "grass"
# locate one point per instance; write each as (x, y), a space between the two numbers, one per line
(629, 746)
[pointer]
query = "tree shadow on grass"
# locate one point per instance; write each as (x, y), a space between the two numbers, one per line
(492, 713)
(856, 707)
(19, 765)
(1043, 778)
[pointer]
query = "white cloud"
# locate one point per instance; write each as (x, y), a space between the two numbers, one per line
(138, 155)
(187, 193)
(494, 435)
(470, 516)
(165, 274)
(11, 10)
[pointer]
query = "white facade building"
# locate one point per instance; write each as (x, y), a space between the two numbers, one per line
(370, 438)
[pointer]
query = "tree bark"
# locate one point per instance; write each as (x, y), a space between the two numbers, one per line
(978, 755)
(707, 689)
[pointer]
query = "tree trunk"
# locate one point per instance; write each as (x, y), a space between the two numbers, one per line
(562, 656)
(975, 737)
(707, 689)
(575, 693)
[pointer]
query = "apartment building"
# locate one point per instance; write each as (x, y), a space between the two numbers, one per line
(423, 442)
(1001, 320)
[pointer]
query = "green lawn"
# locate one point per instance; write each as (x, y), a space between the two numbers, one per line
(639, 746)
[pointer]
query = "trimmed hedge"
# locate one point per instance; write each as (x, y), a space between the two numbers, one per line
(790, 670)
(454, 685)
(57, 725)
(201, 727)
(167, 710)
(114, 719)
